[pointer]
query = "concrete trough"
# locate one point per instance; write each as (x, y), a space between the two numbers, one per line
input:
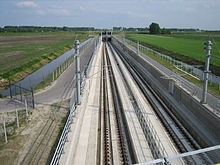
(202, 124)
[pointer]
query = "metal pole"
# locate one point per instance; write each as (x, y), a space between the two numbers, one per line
(26, 108)
(17, 119)
(10, 88)
(138, 48)
(20, 91)
(15, 91)
(53, 76)
(5, 131)
(56, 73)
(77, 72)
(32, 94)
(166, 162)
(206, 71)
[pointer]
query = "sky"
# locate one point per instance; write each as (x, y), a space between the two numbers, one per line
(202, 14)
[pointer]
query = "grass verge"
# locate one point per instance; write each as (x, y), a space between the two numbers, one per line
(186, 47)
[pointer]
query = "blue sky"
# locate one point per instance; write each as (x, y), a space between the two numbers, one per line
(203, 14)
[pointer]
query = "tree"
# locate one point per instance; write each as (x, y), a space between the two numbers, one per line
(165, 31)
(154, 28)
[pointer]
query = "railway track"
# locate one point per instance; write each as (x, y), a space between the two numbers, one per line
(110, 120)
(182, 138)
(114, 130)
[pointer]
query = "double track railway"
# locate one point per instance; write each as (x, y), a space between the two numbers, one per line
(111, 120)
(184, 142)
(123, 120)
(182, 139)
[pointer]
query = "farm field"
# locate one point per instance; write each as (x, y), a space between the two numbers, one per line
(23, 53)
(187, 47)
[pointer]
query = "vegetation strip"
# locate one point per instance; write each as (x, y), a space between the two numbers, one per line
(186, 47)
(23, 54)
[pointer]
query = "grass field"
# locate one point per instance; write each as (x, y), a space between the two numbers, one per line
(23, 53)
(187, 47)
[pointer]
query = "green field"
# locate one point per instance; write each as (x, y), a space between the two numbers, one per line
(187, 47)
(23, 53)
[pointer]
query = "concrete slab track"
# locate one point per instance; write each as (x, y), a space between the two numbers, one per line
(81, 147)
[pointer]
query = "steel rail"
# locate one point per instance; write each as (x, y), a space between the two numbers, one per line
(154, 142)
(106, 117)
(105, 127)
(181, 137)
(126, 151)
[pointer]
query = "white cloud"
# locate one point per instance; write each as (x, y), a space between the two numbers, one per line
(118, 11)
(27, 4)
(59, 11)
(190, 9)
(41, 12)
(82, 8)
(63, 12)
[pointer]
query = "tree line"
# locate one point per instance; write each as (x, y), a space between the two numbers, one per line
(129, 29)
(43, 29)
(154, 28)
